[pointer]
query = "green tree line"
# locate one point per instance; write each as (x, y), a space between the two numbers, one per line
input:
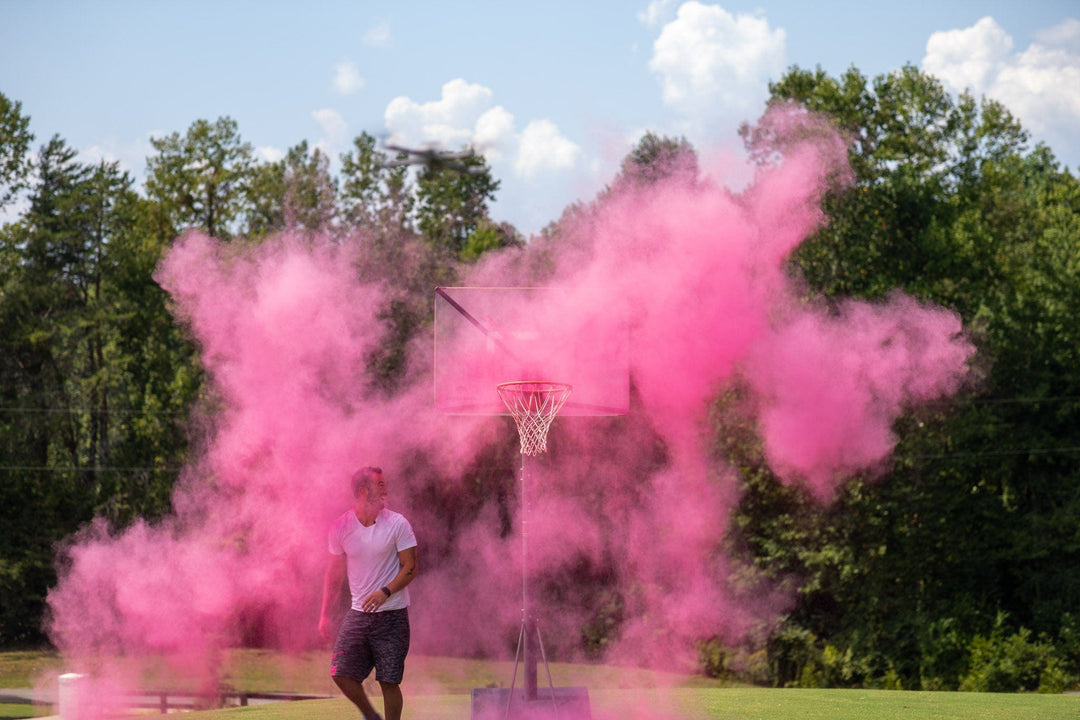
(955, 569)
(97, 382)
(952, 568)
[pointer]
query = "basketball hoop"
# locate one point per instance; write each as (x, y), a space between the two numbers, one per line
(534, 404)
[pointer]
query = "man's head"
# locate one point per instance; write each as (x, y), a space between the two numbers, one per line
(368, 483)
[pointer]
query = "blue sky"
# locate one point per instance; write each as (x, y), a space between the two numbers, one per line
(554, 93)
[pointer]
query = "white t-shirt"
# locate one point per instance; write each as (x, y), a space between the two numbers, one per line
(371, 554)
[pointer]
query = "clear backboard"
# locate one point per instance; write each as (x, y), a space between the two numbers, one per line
(485, 336)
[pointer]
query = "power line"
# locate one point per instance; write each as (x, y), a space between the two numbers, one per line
(105, 468)
(934, 456)
(996, 453)
(1025, 400)
(122, 411)
(71, 411)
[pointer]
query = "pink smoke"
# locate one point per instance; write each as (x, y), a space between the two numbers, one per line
(831, 385)
(696, 272)
(283, 330)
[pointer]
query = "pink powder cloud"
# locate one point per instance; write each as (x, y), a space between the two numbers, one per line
(697, 274)
(831, 385)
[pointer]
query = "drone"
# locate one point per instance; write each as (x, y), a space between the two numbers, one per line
(433, 159)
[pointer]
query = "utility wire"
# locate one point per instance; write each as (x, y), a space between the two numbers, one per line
(1019, 400)
(935, 456)
(958, 403)
(70, 411)
(106, 468)
(995, 453)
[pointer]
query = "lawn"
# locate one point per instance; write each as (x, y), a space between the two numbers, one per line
(438, 689)
(17, 710)
(265, 671)
(721, 704)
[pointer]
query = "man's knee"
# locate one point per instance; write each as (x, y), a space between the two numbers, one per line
(347, 683)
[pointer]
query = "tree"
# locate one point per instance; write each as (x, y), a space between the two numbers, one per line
(266, 200)
(47, 280)
(15, 138)
(373, 195)
(489, 236)
(310, 192)
(95, 380)
(200, 179)
(296, 192)
(653, 160)
(43, 326)
(656, 158)
(915, 155)
(948, 204)
(450, 205)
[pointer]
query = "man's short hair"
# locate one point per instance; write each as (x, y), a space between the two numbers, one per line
(362, 477)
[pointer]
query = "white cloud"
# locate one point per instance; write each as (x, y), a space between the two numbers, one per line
(1065, 34)
(712, 62)
(466, 115)
(334, 130)
(543, 148)
(1040, 84)
(494, 133)
(657, 13)
(129, 156)
(347, 79)
(100, 153)
(269, 153)
(449, 121)
(378, 36)
(969, 58)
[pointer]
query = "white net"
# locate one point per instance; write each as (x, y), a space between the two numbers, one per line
(534, 404)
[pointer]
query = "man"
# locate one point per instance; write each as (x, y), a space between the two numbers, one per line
(376, 548)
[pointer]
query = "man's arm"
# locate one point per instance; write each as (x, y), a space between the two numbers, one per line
(407, 559)
(405, 575)
(332, 580)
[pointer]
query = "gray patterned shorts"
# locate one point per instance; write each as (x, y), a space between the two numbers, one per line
(378, 640)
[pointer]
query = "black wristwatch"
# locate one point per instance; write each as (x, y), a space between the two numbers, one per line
(387, 591)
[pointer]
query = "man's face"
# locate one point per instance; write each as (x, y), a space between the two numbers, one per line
(377, 491)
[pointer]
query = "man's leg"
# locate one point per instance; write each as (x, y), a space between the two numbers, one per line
(354, 690)
(392, 700)
(390, 646)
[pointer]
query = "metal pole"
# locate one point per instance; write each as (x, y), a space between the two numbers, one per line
(526, 610)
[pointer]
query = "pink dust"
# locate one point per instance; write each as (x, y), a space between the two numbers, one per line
(639, 505)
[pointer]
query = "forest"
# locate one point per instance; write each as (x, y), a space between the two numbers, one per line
(952, 568)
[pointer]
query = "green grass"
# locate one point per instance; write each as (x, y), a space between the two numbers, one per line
(264, 671)
(759, 704)
(20, 669)
(15, 711)
(720, 704)
(438, 689)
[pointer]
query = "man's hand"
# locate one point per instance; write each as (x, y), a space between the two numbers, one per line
(374, 601)
(324, 627)
(332, 581)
